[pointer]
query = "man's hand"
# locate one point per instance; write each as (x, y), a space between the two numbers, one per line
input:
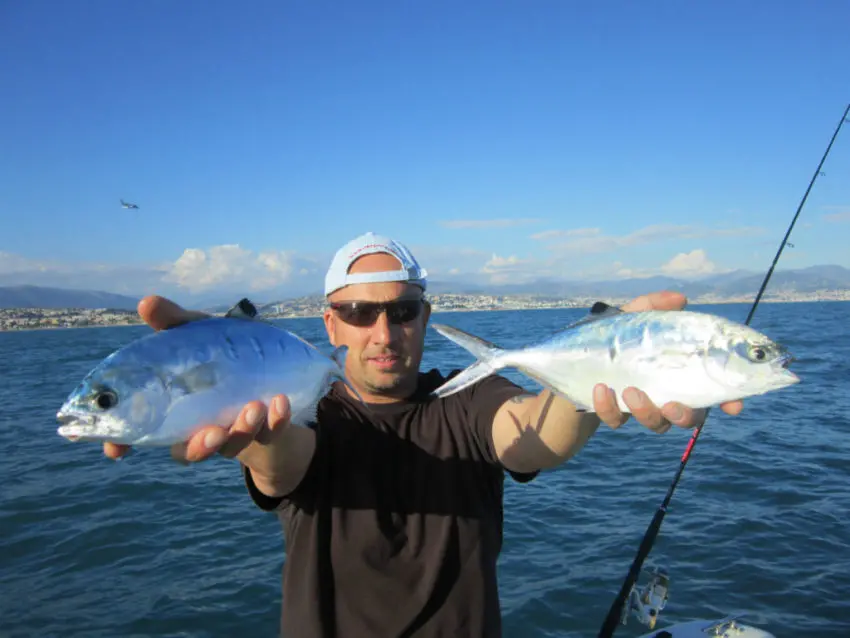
(639, 405)
(255, 422)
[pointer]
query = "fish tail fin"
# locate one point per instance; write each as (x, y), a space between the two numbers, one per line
(488, 354)
(472, 375)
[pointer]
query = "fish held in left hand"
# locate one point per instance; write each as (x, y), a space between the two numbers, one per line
(697, 359)
(159, 389)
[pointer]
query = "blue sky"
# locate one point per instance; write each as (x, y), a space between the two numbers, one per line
(502, 141)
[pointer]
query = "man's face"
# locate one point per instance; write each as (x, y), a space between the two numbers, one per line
(383, 357)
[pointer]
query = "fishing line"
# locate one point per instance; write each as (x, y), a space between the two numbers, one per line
(615, 613)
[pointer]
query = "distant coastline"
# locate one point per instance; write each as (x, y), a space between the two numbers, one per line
(20, 319)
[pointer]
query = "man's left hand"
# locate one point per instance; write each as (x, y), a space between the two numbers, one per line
(639, 405)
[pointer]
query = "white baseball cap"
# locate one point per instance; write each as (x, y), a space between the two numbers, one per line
(369, 243)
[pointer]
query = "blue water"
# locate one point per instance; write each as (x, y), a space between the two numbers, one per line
(145, 547)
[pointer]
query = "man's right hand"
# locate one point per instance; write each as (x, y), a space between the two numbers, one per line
(251, 439)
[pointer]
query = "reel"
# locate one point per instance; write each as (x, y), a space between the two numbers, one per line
(646, 603)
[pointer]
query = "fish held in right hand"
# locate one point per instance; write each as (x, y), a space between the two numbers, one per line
(256, 426)
(696, 359)
(158, 390)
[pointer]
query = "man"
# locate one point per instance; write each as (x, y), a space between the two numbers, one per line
(393, 511)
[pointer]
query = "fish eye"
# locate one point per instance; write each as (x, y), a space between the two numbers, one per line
(757, 353)
(106, 399)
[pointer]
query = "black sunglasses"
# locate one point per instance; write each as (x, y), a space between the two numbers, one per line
(365, 313)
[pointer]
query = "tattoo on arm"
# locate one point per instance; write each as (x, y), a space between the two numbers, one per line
(521, 397)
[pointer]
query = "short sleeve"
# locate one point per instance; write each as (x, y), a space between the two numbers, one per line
(485, 398)
(265, 503)
(300, 495)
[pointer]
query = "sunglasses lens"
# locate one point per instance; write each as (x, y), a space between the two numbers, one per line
(358, 314)
(364, 313)
(403, 311)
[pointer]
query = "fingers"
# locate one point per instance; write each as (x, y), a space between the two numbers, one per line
(257, 423)
(733, 408)
(251, 421)
(254, 423)
(644, 410)
(682, 415)
(115, 451)
(161, 313)
(605, 406)
(201, 445)
(663, 300)
(648, 414)
(279, 414)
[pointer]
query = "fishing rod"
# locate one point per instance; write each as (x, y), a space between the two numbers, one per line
(615, 613)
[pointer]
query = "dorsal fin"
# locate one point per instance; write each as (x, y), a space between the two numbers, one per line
(599, 310)
(244, 309)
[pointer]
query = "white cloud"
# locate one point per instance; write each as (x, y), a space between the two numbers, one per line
(575, 232)
(514, 269)
(591, 240)
(843, 216)
(692, 264)
(11, 263)
(198, 270)
(228, 270)
(16, 270)
(509, 269)
(487, 223)
(442, 259)
(228, 266)
(499, 264)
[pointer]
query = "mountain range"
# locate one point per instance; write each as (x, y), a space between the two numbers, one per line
(44, 297)
(732, 284)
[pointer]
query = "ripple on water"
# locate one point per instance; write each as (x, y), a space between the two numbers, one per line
(148, 548)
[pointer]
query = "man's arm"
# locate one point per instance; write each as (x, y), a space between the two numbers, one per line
(275, 455)
(536, 432)
(278, 475)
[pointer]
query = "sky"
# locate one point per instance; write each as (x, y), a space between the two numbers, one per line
(501, 141)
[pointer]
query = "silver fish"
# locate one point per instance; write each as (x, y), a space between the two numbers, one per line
(697, 359)
(158, 389)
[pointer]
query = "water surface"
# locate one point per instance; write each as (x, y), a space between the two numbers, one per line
(146, 547)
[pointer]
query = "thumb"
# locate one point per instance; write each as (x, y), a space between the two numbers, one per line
(161, 313)
(662, 300)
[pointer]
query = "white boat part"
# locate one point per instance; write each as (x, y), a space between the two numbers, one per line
(729, 627)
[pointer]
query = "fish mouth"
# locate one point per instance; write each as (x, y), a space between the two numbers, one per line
(76, 426)
(785, 360)
(781, 364)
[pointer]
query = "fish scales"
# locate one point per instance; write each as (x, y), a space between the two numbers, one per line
(653, 348)
(694, 358)
(168, 383)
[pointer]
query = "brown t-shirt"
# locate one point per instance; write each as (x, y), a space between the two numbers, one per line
(396, 527)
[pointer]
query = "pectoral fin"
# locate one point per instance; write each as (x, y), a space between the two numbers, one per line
(198, 379)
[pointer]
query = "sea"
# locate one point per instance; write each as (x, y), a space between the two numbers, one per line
(759, 524)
